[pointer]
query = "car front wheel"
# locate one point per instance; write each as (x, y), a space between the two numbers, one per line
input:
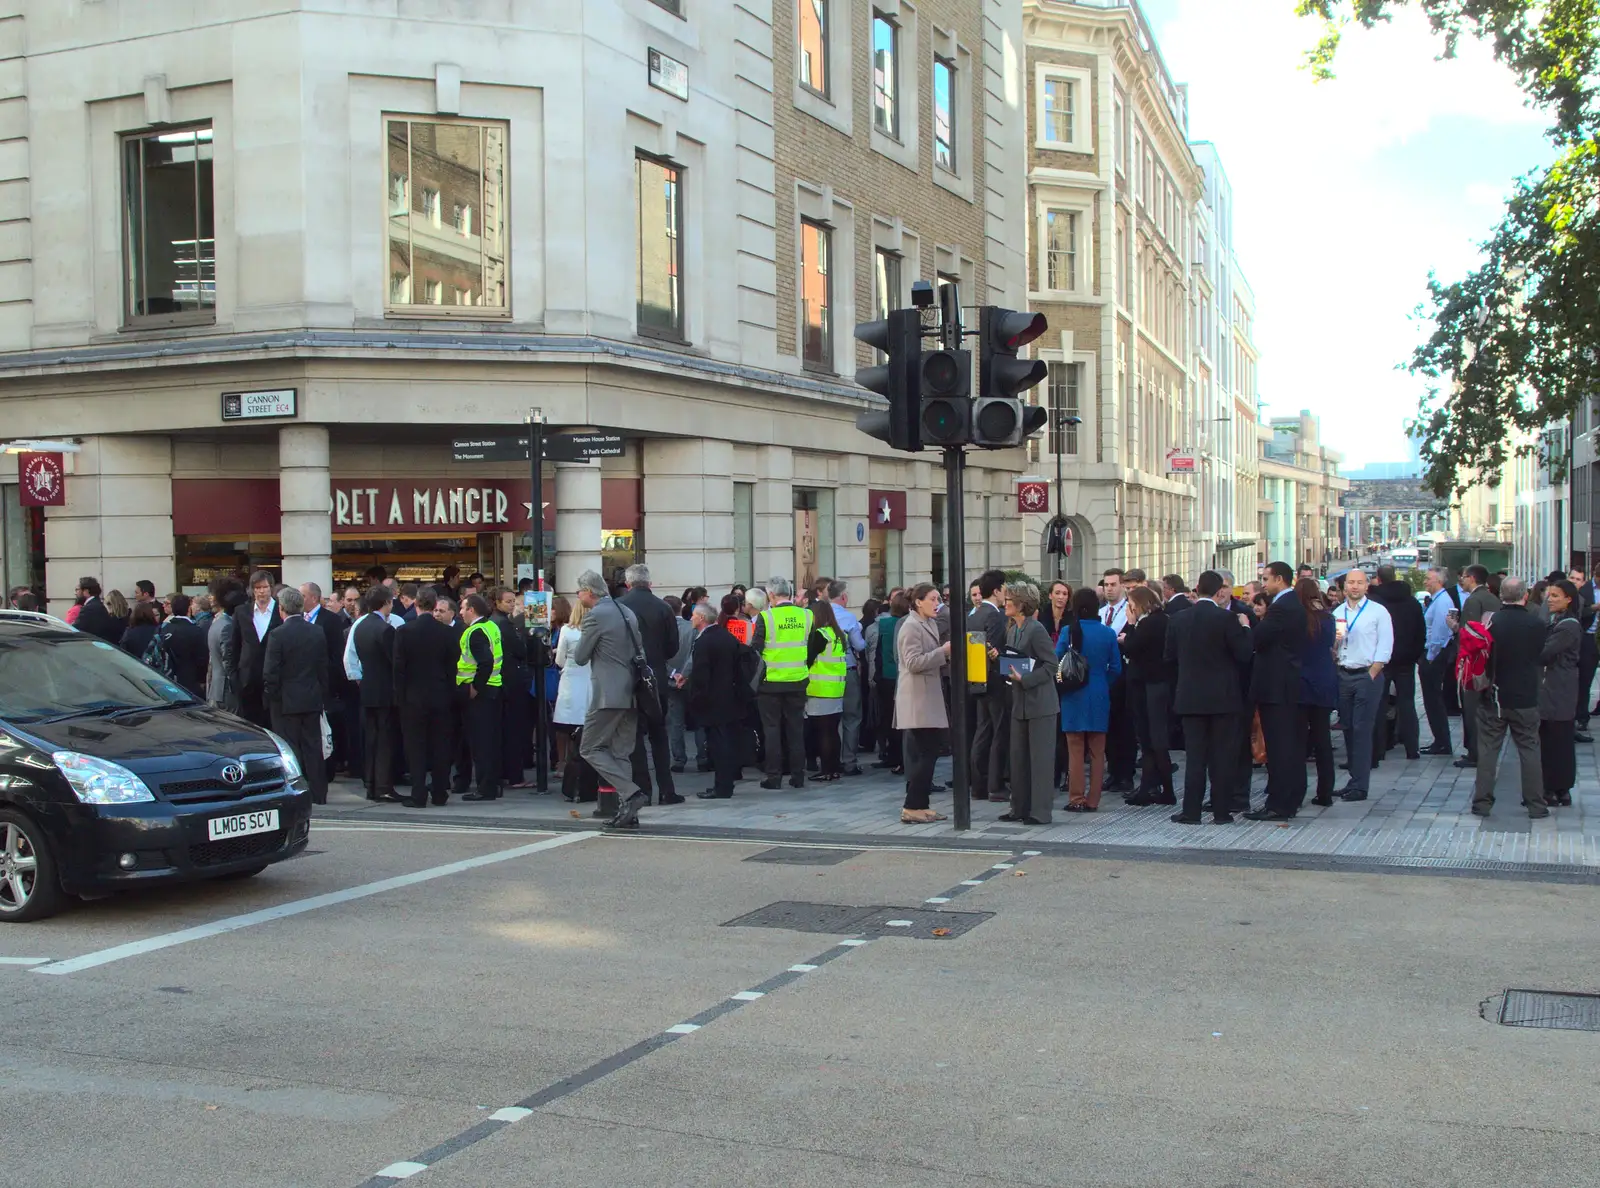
(29, 889)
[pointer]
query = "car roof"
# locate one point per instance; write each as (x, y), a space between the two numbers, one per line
(35, 620)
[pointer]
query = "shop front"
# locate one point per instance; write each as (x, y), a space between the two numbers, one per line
(886, 541)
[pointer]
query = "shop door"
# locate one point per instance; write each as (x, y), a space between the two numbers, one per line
(805, 548)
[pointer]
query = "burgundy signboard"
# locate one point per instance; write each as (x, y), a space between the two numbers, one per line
(1033, 495)
(887, 509)
(41, 480)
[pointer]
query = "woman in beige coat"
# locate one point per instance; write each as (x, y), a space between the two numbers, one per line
(919, 711)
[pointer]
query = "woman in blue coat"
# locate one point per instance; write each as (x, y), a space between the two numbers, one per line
(1319, 684)
(1086, 712)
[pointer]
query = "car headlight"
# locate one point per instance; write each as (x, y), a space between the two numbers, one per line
(291, 762)
(99, 781)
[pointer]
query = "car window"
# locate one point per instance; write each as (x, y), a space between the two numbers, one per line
(49, 676)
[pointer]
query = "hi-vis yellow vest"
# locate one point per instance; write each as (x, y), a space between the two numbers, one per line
(827, 670)
(784, 648)
(466, 666)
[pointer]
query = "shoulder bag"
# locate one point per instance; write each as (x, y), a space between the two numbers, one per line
(1072, 673)
(646, 694)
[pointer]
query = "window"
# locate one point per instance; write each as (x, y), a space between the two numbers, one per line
(463, 164)
(1060, 100)
(816, 295)
(814, 45)
(657, 186)
(169, 222)
(675, 7)
(1063, 396)
(885, 62)
(1061, 250)
(944, 114)
(744, 532)
(886, 281)
(1119, 134)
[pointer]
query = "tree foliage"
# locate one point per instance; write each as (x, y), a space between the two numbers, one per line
(1516, 342)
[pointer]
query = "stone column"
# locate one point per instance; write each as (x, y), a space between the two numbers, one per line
(117, 522)
(773, 506)
(852, 557)
(578, 526)
(305, 499)
(917, 545)
(688, 514)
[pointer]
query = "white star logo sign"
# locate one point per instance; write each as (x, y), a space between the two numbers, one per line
(885, 514)
(527, 508)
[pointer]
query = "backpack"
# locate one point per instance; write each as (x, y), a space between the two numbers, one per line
(1472, 662)
(156, 654)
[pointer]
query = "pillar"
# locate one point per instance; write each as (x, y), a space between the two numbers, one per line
(305, 499)
(852, 516)
(116, 524)
(578, 527)
(688, 513)
(773, 505)
(917, 547)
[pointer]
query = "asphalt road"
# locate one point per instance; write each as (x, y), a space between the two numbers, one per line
(1111, 1023)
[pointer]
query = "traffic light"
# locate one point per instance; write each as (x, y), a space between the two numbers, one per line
(899, 336)
(1000, 419)
(946, 384)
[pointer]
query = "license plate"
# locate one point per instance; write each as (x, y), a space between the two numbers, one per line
(242, 825)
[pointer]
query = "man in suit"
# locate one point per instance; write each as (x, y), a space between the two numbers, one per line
(93, 617)
(480, 686)
(715, 696)
(294, 682)
(252, 624)
(1588, 654)
(1480, 601)
(516, 706)
(992, 709)
(332, 624)
(610, 726)
(1277, 638)
(374, 644)
(185, 645)
(1511, 704)
(658, 631)
(1209, 645)
(1400, 674)
(1122, 745)
(425, 654)
(1176, 592)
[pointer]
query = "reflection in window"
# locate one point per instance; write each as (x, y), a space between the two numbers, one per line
(1063, 395)
(660, 250)
(1060, 97)
(814, 44)
(944, 115)
(435, 166)
(816, 312)
(169, 224)
(885, 61)
(886, 281)
(1061, 250)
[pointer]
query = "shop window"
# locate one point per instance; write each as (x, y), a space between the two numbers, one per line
(463, 257)
(813, 535)
(169, 228)
(658, 192)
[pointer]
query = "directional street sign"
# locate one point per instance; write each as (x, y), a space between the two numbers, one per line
(558, 447)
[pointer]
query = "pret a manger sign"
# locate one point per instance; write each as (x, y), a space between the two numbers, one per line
(409, 507)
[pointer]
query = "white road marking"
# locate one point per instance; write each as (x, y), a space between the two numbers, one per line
(898, 923)
(299, 906)
(403, 1170)
(682, 1028)
(1003, 865)
(854, 944)
(801, 968)
(972, 882)
(509, 1114)
(937, 899)
(747, 995)
(1030, 853)
(24, 961)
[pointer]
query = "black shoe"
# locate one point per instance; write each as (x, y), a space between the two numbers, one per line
(713, 794)
(1580, 736)
(631, 823)
(1268, 815)
(478, 796)
(628, 815)
(1481, 810)
(1224, 819)
(1034, 821)
(1538, 814)
(1206, 807)
(852, 771)
(669, 798)
(1180, 819)
(1140, 800)
(1352, 794)
(1322, 801)
(798, 781)
(772, 784)
(1438, 750)
(1010, 817)
(1470, 761)
(703, 765)
(1413, 754)
(415, 803)
(678, 767)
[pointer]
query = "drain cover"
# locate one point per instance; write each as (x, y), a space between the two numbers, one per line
(841, 920)
(1549, 1008)
(804, 856)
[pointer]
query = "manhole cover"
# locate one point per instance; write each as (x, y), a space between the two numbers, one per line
(1549, 1008)
(840, 920)
(804, 856)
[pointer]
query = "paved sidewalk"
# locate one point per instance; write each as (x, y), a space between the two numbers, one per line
(1417, 815)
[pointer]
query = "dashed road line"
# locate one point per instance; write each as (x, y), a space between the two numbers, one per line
(24, 961)
(402, 1170)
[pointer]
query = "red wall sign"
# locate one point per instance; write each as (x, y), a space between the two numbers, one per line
(887, 509)
(41, 480)
(1033, 496)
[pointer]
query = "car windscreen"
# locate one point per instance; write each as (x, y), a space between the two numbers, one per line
(55, 675)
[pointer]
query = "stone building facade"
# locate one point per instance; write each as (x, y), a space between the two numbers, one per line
(385, 227)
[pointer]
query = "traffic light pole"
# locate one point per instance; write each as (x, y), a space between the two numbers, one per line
(955, 503)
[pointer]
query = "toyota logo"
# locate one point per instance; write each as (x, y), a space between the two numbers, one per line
(233, 774)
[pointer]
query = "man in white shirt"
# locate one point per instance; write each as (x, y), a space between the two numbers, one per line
(1363, 644)
(1122, 747)
(1114, 614)
(855, 643)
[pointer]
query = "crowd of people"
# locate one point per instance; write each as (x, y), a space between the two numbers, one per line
(1093, 690)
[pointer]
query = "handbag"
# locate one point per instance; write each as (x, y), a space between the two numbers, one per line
(646, 693)
(327, 737)
(1072, 673)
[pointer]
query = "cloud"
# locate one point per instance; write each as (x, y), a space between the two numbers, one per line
(1346, 193)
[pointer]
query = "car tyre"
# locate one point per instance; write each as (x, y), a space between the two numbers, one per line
(248, 872)
(29, 886)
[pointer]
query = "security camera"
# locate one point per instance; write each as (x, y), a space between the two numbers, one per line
(922, 294)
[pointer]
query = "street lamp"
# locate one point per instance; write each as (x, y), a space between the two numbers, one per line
(1062, 420)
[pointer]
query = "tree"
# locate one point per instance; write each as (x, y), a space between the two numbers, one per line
(1516, 342)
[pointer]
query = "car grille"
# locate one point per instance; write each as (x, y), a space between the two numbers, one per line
(257, 845)
(213, 789)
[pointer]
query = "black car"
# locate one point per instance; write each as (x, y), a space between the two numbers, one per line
(113, 776)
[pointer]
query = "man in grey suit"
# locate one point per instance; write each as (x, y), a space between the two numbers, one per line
(611, 725)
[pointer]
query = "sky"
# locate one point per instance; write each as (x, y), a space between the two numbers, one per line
(1346, 194)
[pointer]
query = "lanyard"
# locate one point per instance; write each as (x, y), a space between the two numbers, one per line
(1349, 623)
